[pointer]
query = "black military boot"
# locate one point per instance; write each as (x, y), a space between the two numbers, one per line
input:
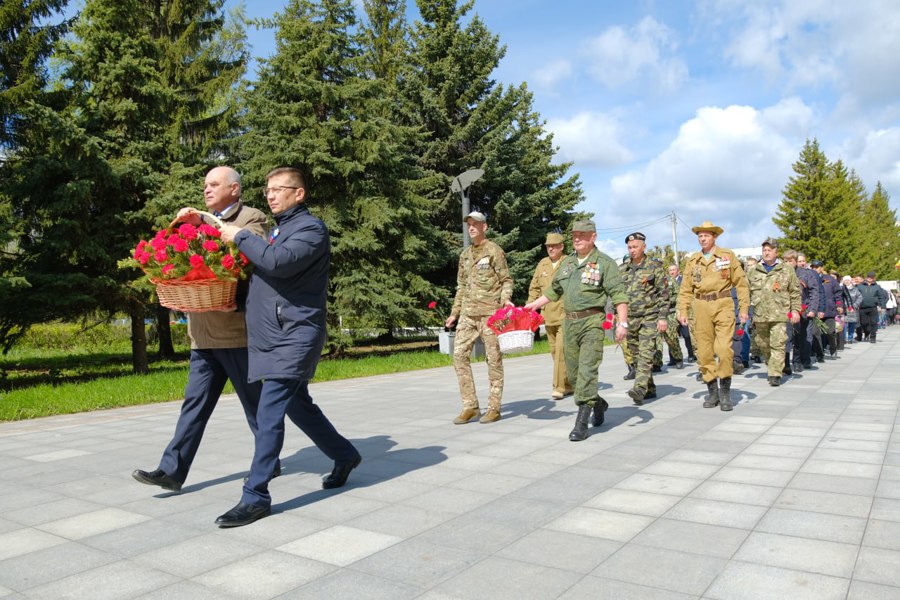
(656, 368)
(600, 407)
(631, 374)
(580, 432)
(713, 399)
(725, 394)
(774, 381)
(679, 364)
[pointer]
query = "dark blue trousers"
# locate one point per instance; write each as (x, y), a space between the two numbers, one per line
(289, 397)
(209, 370)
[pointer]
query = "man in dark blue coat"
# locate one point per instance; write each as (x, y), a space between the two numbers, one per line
(286, 333)
(809, 301)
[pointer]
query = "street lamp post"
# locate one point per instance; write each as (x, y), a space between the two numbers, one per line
(460, 184)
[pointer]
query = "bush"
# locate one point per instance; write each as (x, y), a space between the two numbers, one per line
(69, 336)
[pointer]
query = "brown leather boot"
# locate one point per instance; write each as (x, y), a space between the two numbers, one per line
(492, 414)
(467, 416)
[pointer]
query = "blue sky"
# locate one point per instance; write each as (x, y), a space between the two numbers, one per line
(698, 108)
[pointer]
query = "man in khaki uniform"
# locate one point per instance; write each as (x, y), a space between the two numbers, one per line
(775, 297)
(552, 312)
(483, 285)
(709, 276)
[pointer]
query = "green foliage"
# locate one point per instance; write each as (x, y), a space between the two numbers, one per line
(825, 214)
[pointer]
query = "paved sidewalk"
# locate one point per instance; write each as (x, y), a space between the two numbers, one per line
(795, 494)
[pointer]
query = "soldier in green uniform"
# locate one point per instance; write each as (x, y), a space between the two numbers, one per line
(647, 289)
(775, 298)
(585, 281)
(483, 285)
(552, 313)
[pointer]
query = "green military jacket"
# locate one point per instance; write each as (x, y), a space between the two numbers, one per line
(774, 294)
(483, 283)
(588, 285)
(540, 283)
(672, 286)
(646, 288)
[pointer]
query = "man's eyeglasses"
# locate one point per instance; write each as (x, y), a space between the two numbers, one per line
(278, 188)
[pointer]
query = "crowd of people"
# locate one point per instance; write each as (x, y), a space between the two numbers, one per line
(780, 310)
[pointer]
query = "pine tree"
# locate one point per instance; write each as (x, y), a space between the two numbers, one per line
(474, 123)
(799, 215)
(879, 242)
(315, 108)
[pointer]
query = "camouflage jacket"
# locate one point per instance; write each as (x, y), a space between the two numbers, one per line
(588, 285)
(672, 284)
(483, 283)
(647, 288)
(540, 282)
(774, 294)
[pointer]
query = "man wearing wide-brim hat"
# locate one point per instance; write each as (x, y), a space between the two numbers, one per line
(709, 278)
(553, 312)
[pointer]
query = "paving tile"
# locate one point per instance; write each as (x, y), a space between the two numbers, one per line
(801, 554)
(825, 502)
(659, 568)
(348, 584)
(629, 501)
(717, 512)
(659, 484)
(117, 581)
(742, 493)
(92, 523)
(50, 564)
(834, 483)
(196, 555)
(23, 541)
(863, 590)
(680, 469)
(599, 588)
(561, 550)
(877, 565)
(340, 545)
(882, 534)
(885, 509)
(697, 538)
(601, 523)
(519, 580)
(419, 563)
(754, 476)
(748, 581)
(263, 575)
(820, 526)
(840, 468)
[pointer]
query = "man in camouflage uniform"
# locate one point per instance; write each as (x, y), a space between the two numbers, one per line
(586, 281)
(709, 276)
(552, 313)
(647, 289)
(483, 285)
(775, 298)
(676, 357)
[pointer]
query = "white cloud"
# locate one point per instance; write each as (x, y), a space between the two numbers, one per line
(878, 159)
(551, 74)
(620, 56)
(590, 139)
(727, 165)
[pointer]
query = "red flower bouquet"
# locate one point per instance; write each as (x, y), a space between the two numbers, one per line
(192, 268)
(514, 319)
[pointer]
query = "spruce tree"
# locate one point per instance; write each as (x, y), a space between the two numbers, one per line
(315, 107)
(799, 215)
(879, 241)
(472, 122)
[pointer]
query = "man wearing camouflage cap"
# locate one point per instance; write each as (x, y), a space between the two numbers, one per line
(647, 289)
(585, 281)
(775, 298)
(709, 277)
(483, 285)
(552, 312)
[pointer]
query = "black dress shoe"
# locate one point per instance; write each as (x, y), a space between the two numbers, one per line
(157, 477)
(243, 514)
(275, 473)
(340, 473)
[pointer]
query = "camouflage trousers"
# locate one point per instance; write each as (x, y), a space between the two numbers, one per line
(583, 339)
(642, 339)
(468, 331)
(771, 338)
(672, 341)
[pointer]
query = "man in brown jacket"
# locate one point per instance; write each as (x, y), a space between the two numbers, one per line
(218, 346)
(553, 312)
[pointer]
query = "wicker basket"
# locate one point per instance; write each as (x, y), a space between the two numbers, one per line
(520, 340)
(197, 295)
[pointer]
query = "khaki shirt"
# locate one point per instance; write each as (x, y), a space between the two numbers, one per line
(543, 277)
(774, 294)
(588, 285)
(217, 329)
(715, 275)
(483, 283)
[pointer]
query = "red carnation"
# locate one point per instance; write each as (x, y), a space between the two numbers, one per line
(228, 261)
(143, 257)
(211, 246)
(158, 243)
(162, 234)
(197, 261)
(172, 239)
(188, 231)
(210, 231)
(181, 246)
(740, 332)
(244, 260)
(432, 305)
(608, 323)
(167, 268)
(161, 256)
